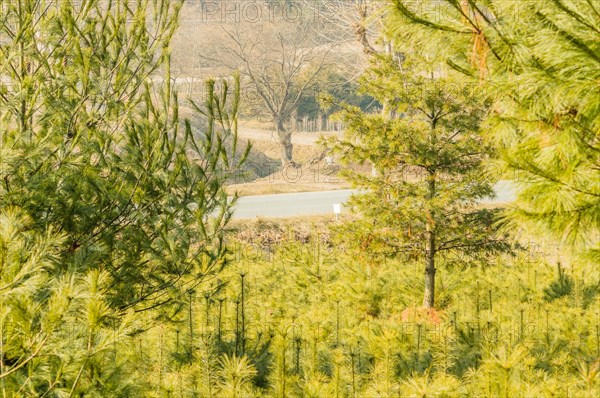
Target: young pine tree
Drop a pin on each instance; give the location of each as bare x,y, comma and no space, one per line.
428,155
93,145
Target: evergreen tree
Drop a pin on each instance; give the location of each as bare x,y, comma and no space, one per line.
540,62
93,148
428,154
110,203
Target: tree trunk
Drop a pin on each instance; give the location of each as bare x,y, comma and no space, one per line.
285,140
429,296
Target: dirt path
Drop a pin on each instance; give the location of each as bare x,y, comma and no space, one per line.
270,136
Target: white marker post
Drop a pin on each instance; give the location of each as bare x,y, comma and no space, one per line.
337,209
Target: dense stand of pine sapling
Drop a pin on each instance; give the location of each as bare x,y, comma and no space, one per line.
273,335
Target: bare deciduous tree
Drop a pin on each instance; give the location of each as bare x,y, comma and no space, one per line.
281,64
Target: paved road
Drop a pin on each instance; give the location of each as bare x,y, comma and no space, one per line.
313,203
290,204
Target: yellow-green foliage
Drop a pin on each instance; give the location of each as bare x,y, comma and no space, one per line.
320,323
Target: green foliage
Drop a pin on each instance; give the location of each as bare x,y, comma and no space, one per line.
323,339
562,286
112,210
236,374
111,204
59,337
92,149
427,154
309,325
539,62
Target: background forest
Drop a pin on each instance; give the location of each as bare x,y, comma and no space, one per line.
124,274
